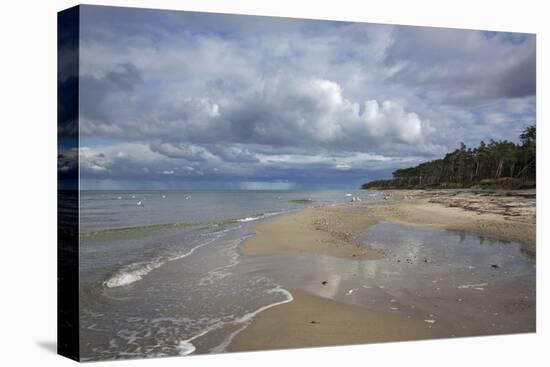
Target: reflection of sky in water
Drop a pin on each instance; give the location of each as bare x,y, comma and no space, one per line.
423,275
413,255
451,249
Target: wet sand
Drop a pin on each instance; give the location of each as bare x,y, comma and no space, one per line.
320,234
311,321
327,231
331,230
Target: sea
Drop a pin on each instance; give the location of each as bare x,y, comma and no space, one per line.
161,273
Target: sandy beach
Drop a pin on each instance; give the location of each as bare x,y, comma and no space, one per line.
311,321
331,232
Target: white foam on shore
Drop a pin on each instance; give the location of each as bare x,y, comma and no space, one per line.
247,319
249,316
466,286
250,219
132,273
261,216
136,271
187,347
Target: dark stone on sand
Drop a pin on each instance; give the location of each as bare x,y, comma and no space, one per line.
313,322
324,282
495,266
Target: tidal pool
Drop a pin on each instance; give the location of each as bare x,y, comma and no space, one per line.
458,283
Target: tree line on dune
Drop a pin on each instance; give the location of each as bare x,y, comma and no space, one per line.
497,164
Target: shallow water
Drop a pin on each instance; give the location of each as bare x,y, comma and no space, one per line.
164,289
173,303
167,278
459,283
104,210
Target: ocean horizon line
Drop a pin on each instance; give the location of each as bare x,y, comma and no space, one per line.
224,190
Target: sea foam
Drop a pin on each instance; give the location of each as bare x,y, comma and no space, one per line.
133,272
250,219
187,347
261,216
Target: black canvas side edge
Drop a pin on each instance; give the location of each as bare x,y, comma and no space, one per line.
68,338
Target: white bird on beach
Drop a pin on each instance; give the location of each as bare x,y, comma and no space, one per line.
164,196
348,194
139,203
187,197
119,198
133,196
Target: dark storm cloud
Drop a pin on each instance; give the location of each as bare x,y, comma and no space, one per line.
520,79
99,93
187,96
460,66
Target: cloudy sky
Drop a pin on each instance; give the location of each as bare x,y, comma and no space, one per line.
181,100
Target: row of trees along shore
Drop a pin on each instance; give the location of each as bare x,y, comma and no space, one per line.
498,164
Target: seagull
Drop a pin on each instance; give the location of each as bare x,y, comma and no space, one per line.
118,198
187,197
164,196
139,203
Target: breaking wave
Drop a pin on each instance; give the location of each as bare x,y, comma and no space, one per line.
133,272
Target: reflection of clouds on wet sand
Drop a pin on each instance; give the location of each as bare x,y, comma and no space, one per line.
332,287
470,288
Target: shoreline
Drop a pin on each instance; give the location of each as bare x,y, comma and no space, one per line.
312,321
330,231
